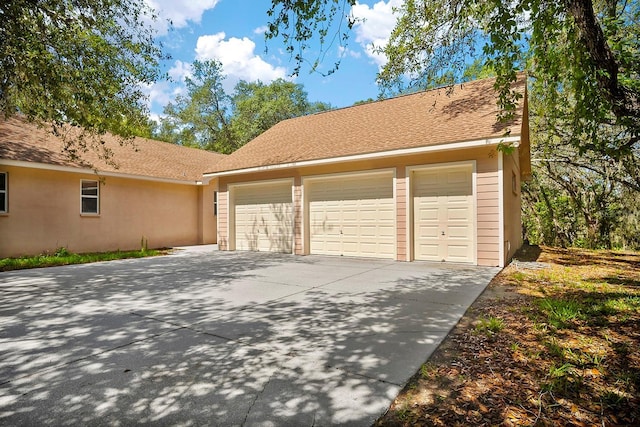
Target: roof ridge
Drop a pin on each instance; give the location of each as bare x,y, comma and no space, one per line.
178,145
398,96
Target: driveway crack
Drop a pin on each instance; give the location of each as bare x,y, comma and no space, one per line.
255,400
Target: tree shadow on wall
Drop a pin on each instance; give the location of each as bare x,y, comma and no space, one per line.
276,235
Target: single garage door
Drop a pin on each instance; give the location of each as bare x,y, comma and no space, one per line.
263,216
443,214
352,216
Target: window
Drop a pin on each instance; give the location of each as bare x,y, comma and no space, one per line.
90,195
215,203
3,192
514,183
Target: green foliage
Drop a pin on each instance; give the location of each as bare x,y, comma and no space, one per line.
579,51
77,62
207,117
298,21
62,252
201,118
258,106
490,326
561,313
62,256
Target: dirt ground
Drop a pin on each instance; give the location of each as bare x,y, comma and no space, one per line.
552,341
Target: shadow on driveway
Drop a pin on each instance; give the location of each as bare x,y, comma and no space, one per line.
223,338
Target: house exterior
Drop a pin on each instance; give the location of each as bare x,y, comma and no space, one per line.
153,196
417,177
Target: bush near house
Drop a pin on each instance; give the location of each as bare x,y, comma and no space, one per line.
550,342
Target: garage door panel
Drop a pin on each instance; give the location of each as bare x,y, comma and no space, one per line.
458,253
427,214
361,212
263,217
427,231
443,212
461,232
429,250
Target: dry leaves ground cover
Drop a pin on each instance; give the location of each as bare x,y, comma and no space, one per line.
554,340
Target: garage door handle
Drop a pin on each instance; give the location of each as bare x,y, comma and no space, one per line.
443,233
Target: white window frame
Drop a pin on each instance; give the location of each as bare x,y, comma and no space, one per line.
4,208
90,196
215,203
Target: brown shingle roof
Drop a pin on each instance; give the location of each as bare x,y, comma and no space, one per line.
421,119
26,142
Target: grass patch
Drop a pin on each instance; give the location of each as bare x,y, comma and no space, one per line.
490,326
560,313
63,257
548,346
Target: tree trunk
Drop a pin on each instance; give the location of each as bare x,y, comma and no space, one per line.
624,103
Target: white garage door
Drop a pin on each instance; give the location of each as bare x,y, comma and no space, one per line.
352,216
443,214
263,217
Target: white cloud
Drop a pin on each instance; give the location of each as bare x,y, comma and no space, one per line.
179,71
238,58
374,26
158,94
261,30
343,51
179,13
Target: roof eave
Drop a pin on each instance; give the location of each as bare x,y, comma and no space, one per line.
514,140
72,169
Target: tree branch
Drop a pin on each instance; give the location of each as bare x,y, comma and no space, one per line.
624,102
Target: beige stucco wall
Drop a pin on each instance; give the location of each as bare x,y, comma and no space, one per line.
487,207
44,214
207,224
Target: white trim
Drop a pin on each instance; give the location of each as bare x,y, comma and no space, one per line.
89,196
514,140
293,216
395,213
88,171
408,227
259,182
229,218
501,208
350,174
311,179
230,193
304,220
474,189
5,209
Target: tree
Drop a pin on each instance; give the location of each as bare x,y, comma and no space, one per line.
207,117
202,117
258,106
579,48
80,62
298,21
579,199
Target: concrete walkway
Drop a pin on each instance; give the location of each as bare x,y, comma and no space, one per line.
204,337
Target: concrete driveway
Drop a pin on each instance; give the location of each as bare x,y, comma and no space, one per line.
221,338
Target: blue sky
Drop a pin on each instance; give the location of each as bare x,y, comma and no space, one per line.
232,31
